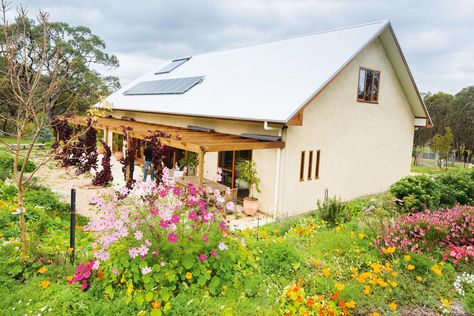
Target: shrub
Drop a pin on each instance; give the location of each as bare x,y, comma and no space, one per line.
7,161
456,187
428,231
333,211
416,193
279,258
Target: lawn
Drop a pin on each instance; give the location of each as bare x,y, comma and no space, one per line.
148,257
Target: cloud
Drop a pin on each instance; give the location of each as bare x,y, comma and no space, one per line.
435,35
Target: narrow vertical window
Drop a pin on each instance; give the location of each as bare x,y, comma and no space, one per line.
302,166
368,85
318,156
310,164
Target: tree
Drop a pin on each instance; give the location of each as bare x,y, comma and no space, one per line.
39,69
443,145
461,117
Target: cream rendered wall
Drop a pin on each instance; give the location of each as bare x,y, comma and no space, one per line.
364,147
265,158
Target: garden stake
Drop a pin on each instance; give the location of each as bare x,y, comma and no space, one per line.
72,228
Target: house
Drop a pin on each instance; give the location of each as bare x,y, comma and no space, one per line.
339,108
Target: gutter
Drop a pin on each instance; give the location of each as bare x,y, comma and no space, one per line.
277,171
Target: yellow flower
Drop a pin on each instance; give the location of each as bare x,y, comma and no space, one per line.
393,306
410,267
375,314
42,270
383,283
394,274
351,304
122,280
141,313
419,278
1,235
436,270
353,234
354,271
388,268
156,304
361,236
389,250
316,262
407,257
70,250
364,276
367,290
339,286
376,267
374,281
393,283
446,303
69,278
441,263
338,228
326,272
189,275
44,284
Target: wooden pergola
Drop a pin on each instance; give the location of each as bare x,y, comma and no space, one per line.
198,141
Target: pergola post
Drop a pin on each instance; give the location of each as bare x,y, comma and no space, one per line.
201,166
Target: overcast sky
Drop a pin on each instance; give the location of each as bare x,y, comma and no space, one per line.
436,36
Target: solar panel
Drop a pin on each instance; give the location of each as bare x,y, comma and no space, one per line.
172,66
165,86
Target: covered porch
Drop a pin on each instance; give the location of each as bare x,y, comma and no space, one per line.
195,139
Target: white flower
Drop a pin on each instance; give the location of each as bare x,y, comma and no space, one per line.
146,270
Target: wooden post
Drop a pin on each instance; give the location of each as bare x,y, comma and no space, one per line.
72,227
201,166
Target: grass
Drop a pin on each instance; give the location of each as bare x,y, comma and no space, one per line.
433,170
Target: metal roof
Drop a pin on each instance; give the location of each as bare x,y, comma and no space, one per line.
266,82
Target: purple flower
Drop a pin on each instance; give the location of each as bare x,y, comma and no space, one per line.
202,257
172,237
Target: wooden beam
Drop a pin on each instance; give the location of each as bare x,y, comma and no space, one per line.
201,167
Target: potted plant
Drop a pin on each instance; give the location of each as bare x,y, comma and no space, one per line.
248,173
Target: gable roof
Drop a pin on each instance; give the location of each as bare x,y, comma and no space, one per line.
266,82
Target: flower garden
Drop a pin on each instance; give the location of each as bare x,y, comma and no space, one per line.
166,250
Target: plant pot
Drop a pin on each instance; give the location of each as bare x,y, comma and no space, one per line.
101,150
118,155
250,206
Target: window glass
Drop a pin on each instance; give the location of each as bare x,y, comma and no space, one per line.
368,85
375,87
360,93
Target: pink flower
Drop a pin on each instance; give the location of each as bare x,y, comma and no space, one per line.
133,252
162,263
202,257
115,271
230,206
204,238
192,215
164,224
222,246
177,191
214,253
138,235
223,225
146,270
84,285
172,237
175,219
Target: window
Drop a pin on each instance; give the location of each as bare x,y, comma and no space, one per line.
310,164
318,156
302,166
368,87
227,161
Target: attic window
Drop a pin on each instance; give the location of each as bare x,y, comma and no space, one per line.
368,88
172,66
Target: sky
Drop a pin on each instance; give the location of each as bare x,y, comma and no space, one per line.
436,36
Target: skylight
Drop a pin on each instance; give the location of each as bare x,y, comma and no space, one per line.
172,66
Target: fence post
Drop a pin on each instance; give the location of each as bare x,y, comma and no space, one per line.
72,228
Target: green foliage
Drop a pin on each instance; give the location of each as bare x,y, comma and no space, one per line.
7,161
333,211
45,135
416,193
190,161
248,173
443,145
280,258
445,190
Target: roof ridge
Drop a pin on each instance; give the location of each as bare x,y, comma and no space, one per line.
384,22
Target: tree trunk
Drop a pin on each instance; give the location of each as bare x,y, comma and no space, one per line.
24,248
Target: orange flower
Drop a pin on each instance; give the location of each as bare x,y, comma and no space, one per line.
70,250
411,267
341,304
351,304
334,296
100,275
156,304
310,302
42,270
44,284
393,306
69,278
326,272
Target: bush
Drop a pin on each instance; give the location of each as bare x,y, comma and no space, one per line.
333,212
7,161
416,193
278,259
456,187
